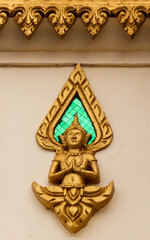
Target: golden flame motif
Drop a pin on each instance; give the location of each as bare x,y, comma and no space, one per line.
75,165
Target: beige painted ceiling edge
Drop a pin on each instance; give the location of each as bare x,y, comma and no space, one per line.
29,14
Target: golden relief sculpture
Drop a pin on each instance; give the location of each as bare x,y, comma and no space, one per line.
27,20
72,200
28,15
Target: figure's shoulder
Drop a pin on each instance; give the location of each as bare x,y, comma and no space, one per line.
89,156
59,157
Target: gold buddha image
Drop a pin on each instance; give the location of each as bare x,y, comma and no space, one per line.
72,197
74,158
73,202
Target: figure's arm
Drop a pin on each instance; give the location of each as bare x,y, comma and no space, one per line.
93,174
55,174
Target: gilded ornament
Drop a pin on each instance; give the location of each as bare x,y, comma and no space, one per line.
131,19
4,13
75,128
94,19
62,15
27,20
62,19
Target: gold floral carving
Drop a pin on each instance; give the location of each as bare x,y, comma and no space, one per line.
94,19
27,20
62,15
61,19
131,19
75,165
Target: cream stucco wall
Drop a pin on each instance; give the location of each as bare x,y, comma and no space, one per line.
26,94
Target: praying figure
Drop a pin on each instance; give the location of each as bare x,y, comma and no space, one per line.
74,157
74,166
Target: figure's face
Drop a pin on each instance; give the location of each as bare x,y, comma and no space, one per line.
74,138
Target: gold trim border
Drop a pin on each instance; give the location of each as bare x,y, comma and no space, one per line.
28,15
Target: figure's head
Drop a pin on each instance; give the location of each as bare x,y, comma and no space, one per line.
75,136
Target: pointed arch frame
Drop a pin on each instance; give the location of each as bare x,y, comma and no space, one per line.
77,83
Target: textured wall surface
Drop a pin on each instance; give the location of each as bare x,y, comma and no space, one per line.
26,94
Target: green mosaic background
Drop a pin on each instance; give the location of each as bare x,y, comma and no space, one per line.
76,107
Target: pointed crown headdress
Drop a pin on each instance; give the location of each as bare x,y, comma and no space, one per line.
75,125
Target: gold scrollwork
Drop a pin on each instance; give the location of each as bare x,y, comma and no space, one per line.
94,14
94,19
4,13
62,19
131,19
74,206
27,20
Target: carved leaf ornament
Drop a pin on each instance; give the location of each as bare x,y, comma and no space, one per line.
94,19
62,19
27,20
94,14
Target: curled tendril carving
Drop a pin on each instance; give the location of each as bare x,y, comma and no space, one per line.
28,20
131,19
94,14
94,19
61,19
3,17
